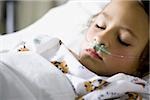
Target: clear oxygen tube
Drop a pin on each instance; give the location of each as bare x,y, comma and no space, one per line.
98,47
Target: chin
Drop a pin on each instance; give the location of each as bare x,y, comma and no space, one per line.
85,60
88,62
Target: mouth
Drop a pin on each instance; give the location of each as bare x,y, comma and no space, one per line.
93,53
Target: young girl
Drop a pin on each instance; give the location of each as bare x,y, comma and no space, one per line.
123,28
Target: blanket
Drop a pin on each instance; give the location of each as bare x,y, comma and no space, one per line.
36,78
28,76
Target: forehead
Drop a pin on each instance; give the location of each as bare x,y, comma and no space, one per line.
130,14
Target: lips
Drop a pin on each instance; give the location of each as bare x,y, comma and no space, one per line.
94,54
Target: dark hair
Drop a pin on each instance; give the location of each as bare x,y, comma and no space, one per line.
144,63
145,6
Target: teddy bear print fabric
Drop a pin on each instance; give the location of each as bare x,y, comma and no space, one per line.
86,84
89,86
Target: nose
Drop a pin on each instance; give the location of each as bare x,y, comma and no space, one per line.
104,38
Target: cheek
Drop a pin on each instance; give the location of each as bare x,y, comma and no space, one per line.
83,45
90,34
123,55
119,51
121,64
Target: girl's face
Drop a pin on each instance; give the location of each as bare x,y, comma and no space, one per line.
123,27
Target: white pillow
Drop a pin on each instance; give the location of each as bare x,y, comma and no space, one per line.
66,21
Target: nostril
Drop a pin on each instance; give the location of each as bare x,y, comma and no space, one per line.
102,44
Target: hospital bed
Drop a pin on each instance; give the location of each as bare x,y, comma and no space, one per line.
66,22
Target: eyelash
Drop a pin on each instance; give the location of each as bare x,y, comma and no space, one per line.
100,27
122,42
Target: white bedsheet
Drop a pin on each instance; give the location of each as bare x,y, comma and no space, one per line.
28,76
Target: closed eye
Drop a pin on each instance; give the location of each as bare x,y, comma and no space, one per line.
122,42
100,27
